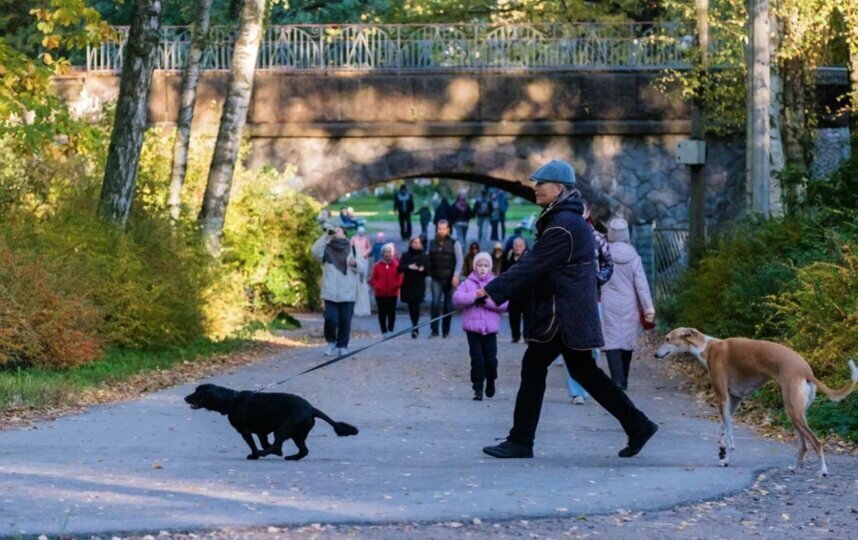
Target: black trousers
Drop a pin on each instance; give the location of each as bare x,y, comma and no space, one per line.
414,312
484,358
519,312
405,225
619,362
386,312
583,368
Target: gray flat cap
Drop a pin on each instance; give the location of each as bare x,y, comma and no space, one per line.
555,171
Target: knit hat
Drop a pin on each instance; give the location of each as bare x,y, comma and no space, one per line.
555,171
483,255
618,230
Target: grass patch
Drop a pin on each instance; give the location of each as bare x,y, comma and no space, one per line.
372,209
42,388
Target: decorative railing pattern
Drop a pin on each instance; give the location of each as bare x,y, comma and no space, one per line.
427,47
671,260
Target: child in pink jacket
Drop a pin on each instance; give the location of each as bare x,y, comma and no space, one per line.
481,324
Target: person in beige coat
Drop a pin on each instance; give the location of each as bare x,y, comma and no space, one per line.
624,297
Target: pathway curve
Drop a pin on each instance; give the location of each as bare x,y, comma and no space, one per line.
152,463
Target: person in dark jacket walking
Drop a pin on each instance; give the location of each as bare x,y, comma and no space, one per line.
403,204
413,265
425,217
445,265
560,269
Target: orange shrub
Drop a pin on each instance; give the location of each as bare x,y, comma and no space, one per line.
41,325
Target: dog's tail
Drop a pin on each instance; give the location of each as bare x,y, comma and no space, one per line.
340,428
837,395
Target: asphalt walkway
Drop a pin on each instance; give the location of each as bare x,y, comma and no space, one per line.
153,463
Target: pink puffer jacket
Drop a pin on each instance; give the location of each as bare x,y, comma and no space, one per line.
483,319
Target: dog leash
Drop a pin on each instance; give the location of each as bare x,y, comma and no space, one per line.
357,351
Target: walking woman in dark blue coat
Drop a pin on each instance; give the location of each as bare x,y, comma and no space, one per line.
561,271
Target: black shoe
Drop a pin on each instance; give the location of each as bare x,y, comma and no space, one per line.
433,335
446,336
639,439
478,395
490,388
508,449
414,334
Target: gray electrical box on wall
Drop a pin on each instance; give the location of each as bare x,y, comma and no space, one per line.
691,152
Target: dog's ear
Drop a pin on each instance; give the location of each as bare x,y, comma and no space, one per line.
687,332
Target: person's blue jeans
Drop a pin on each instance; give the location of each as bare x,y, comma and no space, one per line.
441,291
482,225
338,322
461,231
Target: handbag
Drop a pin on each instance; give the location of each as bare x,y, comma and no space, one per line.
646,324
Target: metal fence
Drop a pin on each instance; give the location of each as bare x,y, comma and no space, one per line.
670,247
436,46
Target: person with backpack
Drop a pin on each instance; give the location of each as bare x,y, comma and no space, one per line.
483,212
403,205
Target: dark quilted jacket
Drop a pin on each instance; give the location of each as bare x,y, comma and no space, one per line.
561,270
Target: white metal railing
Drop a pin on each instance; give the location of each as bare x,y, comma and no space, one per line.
430,47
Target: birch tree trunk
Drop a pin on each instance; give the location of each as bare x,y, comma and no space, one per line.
132,111
216,198
760,96
188,99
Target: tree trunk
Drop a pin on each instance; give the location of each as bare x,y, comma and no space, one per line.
216,199
188,99
760,96
697,191
132,111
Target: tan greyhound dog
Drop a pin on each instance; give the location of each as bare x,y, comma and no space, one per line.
738,366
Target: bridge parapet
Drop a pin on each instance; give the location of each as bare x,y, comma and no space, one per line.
578,46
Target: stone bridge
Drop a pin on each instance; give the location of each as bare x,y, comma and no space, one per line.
348,130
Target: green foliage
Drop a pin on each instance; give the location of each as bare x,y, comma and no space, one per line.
267,239
793,280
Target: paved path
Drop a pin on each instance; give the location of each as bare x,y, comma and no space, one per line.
153,463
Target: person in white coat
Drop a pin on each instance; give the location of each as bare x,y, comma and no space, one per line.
624,298
342,265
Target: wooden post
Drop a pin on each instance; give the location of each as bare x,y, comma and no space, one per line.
697,203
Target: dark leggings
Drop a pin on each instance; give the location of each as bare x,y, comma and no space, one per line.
386,312
619,362
484,358
414,312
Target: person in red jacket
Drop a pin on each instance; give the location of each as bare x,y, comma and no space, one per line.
385,280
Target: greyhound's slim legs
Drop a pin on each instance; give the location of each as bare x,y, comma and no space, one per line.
734,404
795,403
726,433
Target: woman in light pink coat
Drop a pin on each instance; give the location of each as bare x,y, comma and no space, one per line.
481,324
624,297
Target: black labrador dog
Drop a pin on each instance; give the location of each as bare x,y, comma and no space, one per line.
286,415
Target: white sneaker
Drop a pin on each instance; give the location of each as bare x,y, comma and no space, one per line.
578,400
330,349
342,351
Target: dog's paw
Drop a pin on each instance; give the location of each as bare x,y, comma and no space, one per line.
822,473
252,456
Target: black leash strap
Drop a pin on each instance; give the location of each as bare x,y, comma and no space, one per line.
357,351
